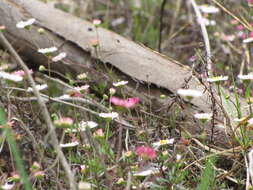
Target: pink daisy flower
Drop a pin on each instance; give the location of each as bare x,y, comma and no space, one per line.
21,73
146,152
127,103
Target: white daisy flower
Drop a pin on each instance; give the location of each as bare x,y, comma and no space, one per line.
59,57
112,115
239,119
217,79
47,50
2,27
163,142
85,185
82,126
112,91
120,83
39,87
208,22
96,22
64,96
189,93
82,88
11,77
82,76
246,77
149,170
72,144
203,116
247,40
24,24
178,157
250,121
90,124
8,185
208,9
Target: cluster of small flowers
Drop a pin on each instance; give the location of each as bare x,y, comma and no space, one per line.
15,76
37,170
67,123
50,50
47,51
242,32
207,10
250,3
10,182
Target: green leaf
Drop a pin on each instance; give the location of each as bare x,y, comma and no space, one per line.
208,175
2,116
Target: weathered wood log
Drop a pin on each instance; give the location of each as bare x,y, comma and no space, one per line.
74,35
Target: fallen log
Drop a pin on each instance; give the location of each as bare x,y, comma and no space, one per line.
73,35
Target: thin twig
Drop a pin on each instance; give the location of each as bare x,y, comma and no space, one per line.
64,101
175,16
45,112
161,24
245,24
205,36
249,168
129,181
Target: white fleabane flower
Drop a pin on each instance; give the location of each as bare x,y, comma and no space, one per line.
208,22
217,79
47,50
112,115
11,77
82,88
250,121
84,124
64,96
85,185
2,27
82,76
97,22
24,24
246,77
149,170
178,157
39,87
59,57
203,116
112,91
189,93
239,119
208,9
247,40
163,142
8,185
72,144
120,83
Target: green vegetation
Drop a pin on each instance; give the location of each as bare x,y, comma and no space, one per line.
113,139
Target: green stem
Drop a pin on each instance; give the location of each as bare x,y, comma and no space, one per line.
107,130
18,160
